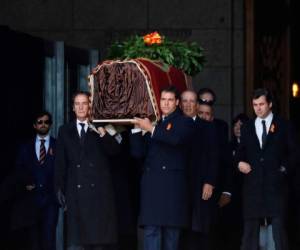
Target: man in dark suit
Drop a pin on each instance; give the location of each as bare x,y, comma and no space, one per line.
265,156
206,101
223,188
36,206
202,173
125,176
83,177
164,191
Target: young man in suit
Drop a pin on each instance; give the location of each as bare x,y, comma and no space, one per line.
36,207
202,174
82,176
265,156
164,199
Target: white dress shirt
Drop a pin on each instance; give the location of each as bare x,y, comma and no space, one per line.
38,144
79,126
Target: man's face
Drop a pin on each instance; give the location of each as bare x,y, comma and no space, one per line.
205,112
168,103
261,107
188,103
206,97
81,107
42,125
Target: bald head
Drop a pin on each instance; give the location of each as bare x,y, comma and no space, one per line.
188,103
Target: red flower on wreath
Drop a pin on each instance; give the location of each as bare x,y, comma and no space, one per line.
152,38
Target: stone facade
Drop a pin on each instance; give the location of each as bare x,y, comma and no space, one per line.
217,25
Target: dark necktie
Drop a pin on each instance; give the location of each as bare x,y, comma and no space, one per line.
264,133
82,132
42,151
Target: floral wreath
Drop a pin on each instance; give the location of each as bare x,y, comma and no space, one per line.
186,56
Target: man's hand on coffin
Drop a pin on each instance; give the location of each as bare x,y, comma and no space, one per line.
144,124
110,129
101,131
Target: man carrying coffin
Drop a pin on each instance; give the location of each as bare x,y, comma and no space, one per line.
83,178
164,193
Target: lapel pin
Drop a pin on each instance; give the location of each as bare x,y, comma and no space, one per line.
272,128
169,126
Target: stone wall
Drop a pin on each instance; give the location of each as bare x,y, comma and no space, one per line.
217,25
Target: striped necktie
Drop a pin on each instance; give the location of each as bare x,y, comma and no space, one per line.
42,151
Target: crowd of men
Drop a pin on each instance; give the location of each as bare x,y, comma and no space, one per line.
179,179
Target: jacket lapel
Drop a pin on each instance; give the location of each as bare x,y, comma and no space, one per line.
33,153
254,135
51,148
271,131
73,134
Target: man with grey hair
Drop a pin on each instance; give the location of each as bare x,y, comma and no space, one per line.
202,174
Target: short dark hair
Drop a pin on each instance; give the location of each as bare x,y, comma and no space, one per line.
209,91
41,113
171,89
240,117
80,92
257,93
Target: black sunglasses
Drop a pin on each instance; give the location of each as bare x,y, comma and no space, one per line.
47,122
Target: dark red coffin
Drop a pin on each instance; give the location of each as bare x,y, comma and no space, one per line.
131,88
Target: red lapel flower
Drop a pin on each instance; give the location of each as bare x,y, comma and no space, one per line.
272,128
169,126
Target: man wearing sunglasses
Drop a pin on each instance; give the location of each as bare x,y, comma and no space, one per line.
36,207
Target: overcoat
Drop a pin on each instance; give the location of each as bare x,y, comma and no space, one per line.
27,204
164,199
265,187
203,170
82,173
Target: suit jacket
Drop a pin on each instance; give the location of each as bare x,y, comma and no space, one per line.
265,187
82,173
164,197
203,170
30,172
224,178
125,181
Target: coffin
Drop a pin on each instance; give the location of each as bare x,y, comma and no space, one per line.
122,90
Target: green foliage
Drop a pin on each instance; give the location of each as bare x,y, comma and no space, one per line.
185,56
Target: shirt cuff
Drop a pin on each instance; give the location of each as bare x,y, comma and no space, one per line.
135,130
110,129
